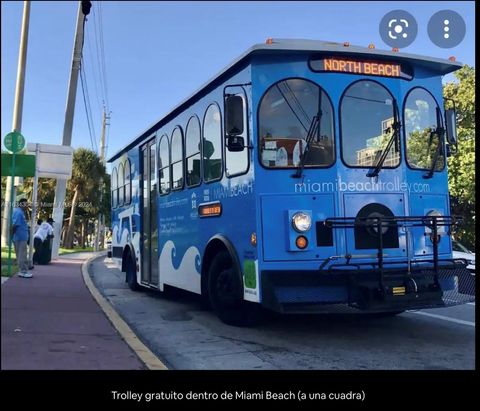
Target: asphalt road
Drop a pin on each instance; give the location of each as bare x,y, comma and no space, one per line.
184,335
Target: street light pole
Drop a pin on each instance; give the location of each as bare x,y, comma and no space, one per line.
61,188
17,114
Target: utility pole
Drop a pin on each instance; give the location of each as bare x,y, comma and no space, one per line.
100,225
17,115
61,188
102,138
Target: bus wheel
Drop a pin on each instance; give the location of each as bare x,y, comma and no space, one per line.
226,293
131,274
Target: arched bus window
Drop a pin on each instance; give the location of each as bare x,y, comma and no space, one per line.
164,165
288,110
121,184
366,119
212,144
177,159
421,119
128,184
114,187
192,151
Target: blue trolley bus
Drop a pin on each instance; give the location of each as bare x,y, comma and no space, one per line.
307,176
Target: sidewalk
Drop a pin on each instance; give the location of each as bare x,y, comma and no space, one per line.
52,322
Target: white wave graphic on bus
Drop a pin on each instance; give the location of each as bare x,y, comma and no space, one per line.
187,275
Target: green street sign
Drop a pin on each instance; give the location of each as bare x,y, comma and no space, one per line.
24,165
14,141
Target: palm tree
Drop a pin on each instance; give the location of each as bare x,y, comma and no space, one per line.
85,185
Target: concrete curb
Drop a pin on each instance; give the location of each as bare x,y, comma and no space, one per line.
143,352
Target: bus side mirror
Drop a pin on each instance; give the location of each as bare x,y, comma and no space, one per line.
451,126
235,143
234,115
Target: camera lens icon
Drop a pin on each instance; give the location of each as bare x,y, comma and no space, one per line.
398,28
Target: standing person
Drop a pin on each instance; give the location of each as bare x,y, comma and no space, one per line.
44,232
20,237
37,241
39,223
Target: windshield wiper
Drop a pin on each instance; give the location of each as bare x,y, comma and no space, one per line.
311,133
393,138
439,131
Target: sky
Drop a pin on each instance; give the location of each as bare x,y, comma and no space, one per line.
156,54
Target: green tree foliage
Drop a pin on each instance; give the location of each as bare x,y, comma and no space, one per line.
84,189
462,165
45,196
421,152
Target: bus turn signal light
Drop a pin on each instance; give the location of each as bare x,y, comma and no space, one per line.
301,242
210,210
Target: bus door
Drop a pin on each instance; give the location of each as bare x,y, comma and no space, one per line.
149,229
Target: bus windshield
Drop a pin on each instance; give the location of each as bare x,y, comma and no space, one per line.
286,113
367,117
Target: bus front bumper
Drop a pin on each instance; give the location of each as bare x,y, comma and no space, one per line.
362,291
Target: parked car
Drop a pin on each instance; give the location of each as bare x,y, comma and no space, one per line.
466,285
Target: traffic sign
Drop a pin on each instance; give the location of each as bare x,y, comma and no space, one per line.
24,165
14,141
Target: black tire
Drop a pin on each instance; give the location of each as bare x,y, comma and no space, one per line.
225,291
131,274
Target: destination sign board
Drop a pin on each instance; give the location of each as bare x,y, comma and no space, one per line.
357,66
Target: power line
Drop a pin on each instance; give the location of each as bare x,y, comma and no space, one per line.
89,108
92,140
99,60
94,71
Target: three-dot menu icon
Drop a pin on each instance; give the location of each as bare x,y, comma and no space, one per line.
446,29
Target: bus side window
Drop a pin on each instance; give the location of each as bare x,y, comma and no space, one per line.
177,159
212,144
164,165
125,226
114,187
192,151
134,223
121,184
128,185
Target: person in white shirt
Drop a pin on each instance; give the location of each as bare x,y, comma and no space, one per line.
44,231
39,223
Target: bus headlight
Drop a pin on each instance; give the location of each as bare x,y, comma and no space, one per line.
434,213
301,222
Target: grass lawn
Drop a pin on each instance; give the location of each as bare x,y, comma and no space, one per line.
5,253
73,250
14,268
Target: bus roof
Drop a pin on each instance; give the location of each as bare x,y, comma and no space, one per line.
291,46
